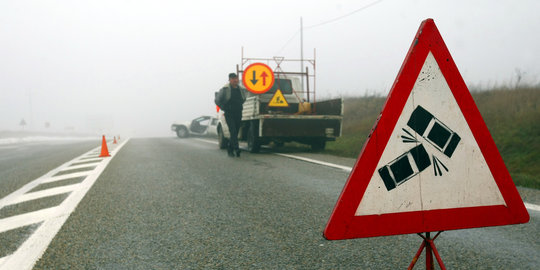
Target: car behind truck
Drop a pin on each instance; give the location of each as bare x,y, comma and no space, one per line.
200,126
312,123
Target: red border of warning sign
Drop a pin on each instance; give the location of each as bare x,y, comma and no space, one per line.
265,89
343,223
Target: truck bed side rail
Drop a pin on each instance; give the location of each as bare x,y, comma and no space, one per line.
329,107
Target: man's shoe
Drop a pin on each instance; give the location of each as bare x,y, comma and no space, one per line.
230,153
238,152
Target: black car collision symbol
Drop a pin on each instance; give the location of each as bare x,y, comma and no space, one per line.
434,131
405,167
417,158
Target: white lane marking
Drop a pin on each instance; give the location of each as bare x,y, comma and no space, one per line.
90,160
206,141
82,166
49,177
64,176
529,206
26,219
52,218
328,164
44,193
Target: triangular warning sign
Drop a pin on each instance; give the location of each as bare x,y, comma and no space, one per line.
278,100
430,163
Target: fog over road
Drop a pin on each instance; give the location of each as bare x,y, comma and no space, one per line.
133,66
169,203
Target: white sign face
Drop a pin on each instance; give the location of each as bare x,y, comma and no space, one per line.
432,160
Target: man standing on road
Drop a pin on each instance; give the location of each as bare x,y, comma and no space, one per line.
231,99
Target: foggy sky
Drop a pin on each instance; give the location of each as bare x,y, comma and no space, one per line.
134,67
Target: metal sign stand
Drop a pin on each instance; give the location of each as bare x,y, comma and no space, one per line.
429,244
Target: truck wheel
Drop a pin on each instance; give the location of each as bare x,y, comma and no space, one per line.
223,142
254,144
318,145
182,132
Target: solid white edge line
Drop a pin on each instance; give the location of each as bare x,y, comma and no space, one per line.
345,168
33,248
328,164
206,141
529,206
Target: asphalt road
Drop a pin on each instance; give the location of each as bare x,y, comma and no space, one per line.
21,163
168,203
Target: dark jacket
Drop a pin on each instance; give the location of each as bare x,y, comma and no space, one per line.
223,96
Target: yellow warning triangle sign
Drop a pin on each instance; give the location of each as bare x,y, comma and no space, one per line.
278,100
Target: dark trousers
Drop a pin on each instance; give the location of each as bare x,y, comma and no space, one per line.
234,120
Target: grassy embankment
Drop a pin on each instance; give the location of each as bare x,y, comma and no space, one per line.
511,115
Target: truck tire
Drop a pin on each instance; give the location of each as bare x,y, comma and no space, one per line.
182,132
253,141
222,141
318,145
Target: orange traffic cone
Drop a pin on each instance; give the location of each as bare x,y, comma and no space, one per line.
104,149
114,141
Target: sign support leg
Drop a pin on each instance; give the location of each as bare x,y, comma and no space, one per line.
431,250
429,254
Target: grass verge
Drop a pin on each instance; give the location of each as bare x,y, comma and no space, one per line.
511,115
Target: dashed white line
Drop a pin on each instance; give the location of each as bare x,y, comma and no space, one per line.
529,206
